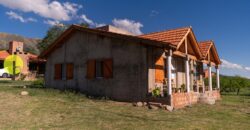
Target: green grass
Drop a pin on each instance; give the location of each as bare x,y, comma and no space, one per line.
53,109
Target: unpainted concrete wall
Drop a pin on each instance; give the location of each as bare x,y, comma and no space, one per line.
130,73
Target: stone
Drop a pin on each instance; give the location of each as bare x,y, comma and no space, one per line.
24,93
145,103
167,107
24,86
139,104
211,101
153,107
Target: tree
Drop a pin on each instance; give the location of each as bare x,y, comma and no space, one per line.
53,33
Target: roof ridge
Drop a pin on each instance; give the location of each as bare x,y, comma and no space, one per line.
167,30
206,41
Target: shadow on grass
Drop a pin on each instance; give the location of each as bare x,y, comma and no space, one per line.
5,81
234,94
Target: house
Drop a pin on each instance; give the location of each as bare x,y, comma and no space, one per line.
32,65
128,68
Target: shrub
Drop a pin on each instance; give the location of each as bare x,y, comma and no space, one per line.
183,88
156,92
38,83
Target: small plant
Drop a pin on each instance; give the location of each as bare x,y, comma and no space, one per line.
38,83
183,87
156,92
22,77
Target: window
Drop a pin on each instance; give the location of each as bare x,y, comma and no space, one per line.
58,71
69,71
64,71
99,69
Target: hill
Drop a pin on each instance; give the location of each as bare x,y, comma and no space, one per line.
30,44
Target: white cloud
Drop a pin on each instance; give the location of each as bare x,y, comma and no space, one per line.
52,22
128,25
229,68
13,15
247,68
45,8
84,18
230,65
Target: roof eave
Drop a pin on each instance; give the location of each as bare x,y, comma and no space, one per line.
46,52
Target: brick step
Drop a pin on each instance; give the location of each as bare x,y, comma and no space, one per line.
206,99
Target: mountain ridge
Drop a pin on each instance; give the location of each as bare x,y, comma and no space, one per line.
30,44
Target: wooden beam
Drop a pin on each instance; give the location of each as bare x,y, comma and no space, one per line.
179,44
181,54
207,62
186,46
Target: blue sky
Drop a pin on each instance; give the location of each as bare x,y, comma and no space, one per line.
224,21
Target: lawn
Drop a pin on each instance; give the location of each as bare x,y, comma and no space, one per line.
52,109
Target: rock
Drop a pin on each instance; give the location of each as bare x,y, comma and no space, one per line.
24,86
167,107
211,101
145,103
24,93
153,107
139,104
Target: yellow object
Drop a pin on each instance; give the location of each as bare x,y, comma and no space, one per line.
9,64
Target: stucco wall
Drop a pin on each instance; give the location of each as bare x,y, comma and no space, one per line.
130,79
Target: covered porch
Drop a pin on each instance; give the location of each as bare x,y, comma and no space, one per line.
179,74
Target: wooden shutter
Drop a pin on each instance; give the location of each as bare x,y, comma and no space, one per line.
159,70
69,71
58,71
108,68
90,69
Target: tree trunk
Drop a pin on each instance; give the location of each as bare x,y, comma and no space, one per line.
238,91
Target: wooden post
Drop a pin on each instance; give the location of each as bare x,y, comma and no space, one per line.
169,70
14,71
217,76
187,74
210,77
187,66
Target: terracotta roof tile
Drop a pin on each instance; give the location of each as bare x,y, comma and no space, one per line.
205,46
3,54
173,36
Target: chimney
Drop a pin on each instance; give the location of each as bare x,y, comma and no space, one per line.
15,46
110,28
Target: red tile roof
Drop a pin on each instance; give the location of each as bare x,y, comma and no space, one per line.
34,58
3,54
205,46
174,36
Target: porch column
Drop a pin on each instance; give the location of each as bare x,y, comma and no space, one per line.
187,74
210,77
217,76
169,70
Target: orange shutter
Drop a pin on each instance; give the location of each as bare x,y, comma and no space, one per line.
70,71
58,71
91,69
159,70
108,68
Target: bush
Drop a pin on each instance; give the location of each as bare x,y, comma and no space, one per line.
156,92
38,83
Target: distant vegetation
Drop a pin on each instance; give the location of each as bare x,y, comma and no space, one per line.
230,84
34,45
29,46
52,34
